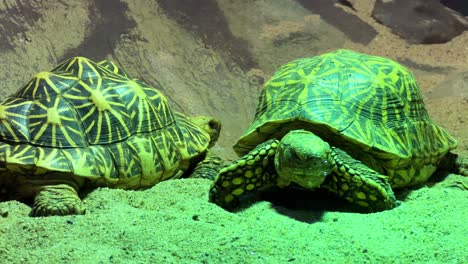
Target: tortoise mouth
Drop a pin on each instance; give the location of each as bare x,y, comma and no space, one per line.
309,179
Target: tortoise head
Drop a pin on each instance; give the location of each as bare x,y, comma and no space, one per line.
302,157
210,125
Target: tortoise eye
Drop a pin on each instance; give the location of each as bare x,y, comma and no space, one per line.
213,124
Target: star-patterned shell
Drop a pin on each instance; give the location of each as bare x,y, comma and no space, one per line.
92,120
370,106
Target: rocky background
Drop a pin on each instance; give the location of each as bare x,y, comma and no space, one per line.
212,57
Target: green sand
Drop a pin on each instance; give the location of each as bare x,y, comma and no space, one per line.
173,223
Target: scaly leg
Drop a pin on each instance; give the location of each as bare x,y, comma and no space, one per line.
58,199
358,184
252,172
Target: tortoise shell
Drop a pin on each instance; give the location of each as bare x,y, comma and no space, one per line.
369,106
91,120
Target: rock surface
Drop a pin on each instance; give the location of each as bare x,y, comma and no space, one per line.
457,5
341,14
419,21
455,85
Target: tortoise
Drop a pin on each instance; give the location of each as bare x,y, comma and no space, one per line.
88,124
350,123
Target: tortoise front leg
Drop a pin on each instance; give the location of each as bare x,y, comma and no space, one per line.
358,184
208,168
252,172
